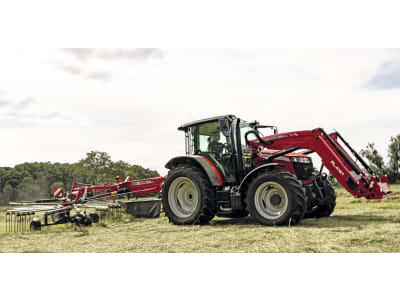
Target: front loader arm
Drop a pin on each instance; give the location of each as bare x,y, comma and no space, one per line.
334,157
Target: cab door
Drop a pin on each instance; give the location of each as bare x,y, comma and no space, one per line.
207,139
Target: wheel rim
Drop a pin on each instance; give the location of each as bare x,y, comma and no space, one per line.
271,200
183,197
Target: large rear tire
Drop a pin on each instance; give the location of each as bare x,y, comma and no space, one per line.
276,198
188,196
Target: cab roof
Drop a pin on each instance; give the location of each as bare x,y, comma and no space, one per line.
185,126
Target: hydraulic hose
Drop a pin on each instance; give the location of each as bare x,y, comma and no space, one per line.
258,137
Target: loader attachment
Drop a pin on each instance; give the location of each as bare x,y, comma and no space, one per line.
333,150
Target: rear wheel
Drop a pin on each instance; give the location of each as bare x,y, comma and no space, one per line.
94,216
86,221
188,197
276,198
77,219
35,224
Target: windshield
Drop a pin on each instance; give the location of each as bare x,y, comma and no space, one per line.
245,128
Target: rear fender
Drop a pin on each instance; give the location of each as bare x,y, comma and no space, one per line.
200,161
254,172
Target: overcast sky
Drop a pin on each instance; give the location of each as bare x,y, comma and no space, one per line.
58,104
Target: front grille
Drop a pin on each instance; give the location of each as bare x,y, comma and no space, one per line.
303,171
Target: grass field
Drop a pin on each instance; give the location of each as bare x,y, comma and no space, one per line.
356,226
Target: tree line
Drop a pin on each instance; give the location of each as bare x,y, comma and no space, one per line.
37,180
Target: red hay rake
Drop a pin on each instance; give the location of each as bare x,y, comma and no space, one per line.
47,212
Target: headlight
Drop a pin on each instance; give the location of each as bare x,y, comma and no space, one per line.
303,160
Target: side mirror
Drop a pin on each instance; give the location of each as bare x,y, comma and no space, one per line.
224,126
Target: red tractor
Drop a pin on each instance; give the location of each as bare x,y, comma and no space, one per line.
231,169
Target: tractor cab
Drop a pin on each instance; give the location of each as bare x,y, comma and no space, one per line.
223,141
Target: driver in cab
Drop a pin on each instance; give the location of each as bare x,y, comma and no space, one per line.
215,146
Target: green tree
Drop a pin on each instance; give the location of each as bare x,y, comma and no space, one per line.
30,189
96,166
375,159
8,194
394,158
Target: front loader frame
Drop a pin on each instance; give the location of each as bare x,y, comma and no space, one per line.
334,158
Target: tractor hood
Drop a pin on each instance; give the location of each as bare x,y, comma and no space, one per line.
267,152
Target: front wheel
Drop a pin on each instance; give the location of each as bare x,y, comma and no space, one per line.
276,198
188,197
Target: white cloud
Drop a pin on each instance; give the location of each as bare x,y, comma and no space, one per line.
101,63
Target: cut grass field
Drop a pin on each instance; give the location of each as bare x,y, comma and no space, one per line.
357,225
